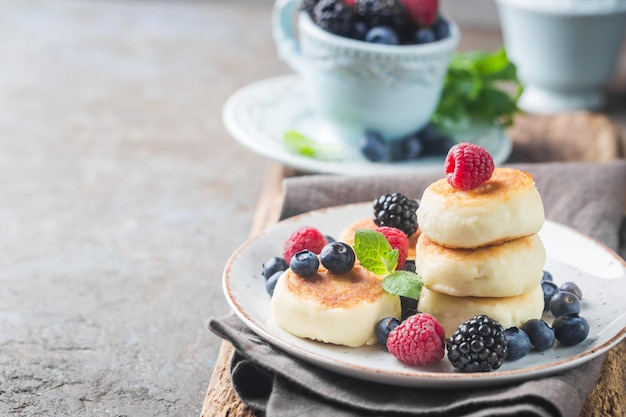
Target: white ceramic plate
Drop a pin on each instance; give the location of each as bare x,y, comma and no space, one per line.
260,113
571,256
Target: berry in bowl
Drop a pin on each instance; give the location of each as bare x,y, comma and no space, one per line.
367,65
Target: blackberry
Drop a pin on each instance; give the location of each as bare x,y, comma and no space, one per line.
309,5
396,210
334,16
389,13
478,345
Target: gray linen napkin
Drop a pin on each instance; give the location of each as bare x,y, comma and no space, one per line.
587,196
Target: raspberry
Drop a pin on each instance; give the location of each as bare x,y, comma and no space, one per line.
418,340
306,237
398,240
468,166
422,12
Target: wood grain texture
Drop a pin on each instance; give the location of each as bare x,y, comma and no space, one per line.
576,136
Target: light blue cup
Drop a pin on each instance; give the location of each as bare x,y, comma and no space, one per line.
354,85
565,51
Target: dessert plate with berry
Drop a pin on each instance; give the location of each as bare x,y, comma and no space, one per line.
592,277
272,118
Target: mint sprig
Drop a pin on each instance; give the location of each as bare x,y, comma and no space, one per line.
480,87
404,283
376,255
299,144
374,252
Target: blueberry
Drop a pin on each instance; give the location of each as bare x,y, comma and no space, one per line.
573,288
549,289
359,30
273,265
570,329
547,276
518,343
338,257
409,307
409,265
441,28
384,327
383,35
564,302
374,147
540,334
330,239
270,284
407,148
429,131
437,144
425,35
304,263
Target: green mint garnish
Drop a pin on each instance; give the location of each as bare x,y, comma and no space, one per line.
374,252
376,255
404,283
475,91
299,144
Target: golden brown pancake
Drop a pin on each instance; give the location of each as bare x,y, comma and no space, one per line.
335,308
506,207
509,311
504,270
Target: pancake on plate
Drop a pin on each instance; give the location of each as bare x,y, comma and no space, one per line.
509,311
506,207
342,309
504,270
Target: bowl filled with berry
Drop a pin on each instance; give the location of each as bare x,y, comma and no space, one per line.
367,65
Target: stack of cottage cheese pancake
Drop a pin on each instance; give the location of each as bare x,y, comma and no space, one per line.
479,252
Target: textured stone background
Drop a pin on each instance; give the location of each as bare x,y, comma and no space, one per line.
121,198
122,195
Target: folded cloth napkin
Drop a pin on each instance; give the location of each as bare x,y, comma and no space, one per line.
587,196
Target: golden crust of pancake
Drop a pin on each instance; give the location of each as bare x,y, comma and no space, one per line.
347,234
340,309
336,290
504,270
509,311
506,207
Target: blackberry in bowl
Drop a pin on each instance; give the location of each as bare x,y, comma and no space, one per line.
355,86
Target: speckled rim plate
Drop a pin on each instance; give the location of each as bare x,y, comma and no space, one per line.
258,115
571,256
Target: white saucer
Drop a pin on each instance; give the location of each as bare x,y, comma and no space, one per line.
260,113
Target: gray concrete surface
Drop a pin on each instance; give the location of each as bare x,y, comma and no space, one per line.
121,198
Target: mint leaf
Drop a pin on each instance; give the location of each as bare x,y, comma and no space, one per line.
404,283
479,87
298,143
374,252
